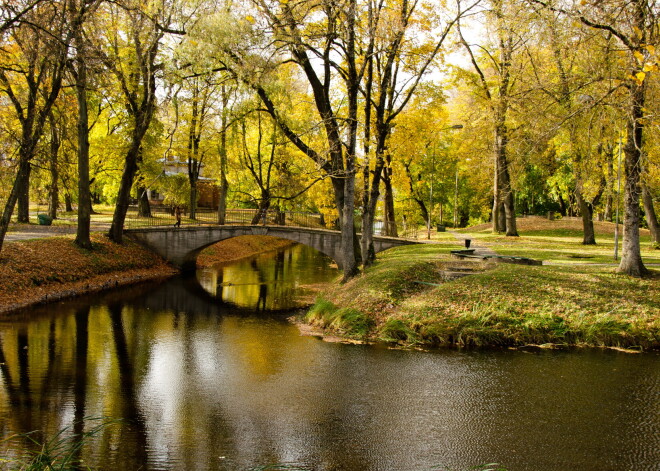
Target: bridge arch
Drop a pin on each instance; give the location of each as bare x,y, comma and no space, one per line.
180,246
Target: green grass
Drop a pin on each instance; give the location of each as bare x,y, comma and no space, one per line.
60,452
345,321
577,300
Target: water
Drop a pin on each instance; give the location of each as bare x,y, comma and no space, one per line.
204,378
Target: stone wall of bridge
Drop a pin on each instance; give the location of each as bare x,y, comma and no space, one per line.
180,246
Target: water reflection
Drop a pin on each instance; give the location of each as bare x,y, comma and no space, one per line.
203,384
269,281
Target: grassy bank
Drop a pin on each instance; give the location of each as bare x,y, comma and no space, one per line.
406,297
43,270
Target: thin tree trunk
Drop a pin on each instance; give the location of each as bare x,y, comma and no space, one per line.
369,212
389,215
350,242
23,169
262,210
84,197
144,207
124,194
611,177
651,216
53,192
193,198
222,151
23,210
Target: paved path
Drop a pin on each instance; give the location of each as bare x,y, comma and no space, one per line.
481,250
478,249
18,232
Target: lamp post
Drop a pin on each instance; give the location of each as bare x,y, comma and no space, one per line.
618,198
456,198
428,222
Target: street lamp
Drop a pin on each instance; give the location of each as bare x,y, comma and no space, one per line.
428,222
618,198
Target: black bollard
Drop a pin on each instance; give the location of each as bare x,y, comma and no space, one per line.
467,243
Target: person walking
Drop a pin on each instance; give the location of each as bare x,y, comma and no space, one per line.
177,215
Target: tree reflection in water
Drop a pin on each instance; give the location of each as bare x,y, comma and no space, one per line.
214,382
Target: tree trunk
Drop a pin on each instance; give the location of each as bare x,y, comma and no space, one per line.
222,151
53,192
124,194
84,197
193,198
262,210
369,212
23,169
631,257
389,215
510,213
348,234
611,178
23,210
501,218
144,208
499,213
562,202
651,217
586,211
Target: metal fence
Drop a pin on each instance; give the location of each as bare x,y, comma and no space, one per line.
165,216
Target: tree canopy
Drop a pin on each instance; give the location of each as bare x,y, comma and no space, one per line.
382,115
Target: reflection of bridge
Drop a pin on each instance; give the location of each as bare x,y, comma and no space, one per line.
181,246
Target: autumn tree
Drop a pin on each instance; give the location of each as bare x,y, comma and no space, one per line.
573,70
32,66
79,11
129,49
12,13
634,24
315,36
399,51
495,79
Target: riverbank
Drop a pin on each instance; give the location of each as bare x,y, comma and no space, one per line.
44,270
36,271
418,296
237,248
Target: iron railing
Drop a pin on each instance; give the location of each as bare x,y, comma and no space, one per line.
165,216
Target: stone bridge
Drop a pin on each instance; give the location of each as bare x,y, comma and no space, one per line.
180,246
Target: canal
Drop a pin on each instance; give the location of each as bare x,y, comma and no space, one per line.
207,373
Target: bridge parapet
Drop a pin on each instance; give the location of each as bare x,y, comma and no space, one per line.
180,246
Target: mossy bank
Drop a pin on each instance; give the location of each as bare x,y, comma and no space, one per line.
415,296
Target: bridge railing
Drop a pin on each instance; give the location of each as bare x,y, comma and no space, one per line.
164,216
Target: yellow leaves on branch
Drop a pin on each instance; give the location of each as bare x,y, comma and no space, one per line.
647,61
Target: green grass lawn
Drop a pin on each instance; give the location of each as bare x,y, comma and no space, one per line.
559,241
577,299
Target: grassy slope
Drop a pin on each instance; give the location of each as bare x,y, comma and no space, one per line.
577,304
240,247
